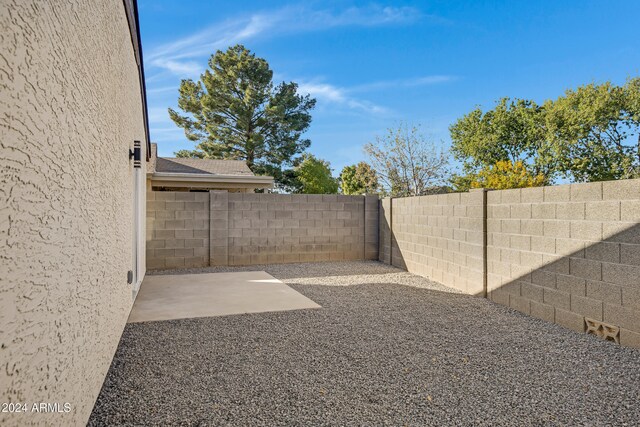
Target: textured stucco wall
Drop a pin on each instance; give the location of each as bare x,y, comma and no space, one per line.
568,252
251,228
70,108
439,236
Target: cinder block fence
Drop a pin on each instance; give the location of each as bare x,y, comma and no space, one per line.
178,229
568,254
219,228
441,237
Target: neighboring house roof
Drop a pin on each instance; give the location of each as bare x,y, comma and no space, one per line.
203,173
203,166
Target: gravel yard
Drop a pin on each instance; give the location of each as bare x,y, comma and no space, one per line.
387,348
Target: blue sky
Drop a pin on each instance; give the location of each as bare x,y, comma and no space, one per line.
371,65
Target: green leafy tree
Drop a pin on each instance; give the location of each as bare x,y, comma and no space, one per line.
591,133
513,131
595,131
407,163
235,112
359,179
314,176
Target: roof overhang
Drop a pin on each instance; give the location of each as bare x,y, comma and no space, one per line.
131,9
170,179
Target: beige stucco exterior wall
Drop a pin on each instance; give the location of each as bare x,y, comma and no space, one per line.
70,109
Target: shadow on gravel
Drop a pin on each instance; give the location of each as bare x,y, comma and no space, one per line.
374,354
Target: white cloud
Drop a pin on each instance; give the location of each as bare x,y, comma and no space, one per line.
158,115
429,80
330,94
288,20
174,129
186,57
327,93
354,16
323,91
163,89
166,131
186,69
406,83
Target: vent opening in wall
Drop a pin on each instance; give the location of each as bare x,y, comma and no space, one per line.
602,330
130,277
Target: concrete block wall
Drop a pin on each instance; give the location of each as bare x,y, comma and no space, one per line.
568,253
285,228
384,231
440,237
177,229
371,233
220,228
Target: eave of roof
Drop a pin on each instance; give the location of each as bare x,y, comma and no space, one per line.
206,177
131,9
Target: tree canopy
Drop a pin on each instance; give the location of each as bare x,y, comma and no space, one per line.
359,179
513,131
407,162
314,176
595,131
588,134
235,112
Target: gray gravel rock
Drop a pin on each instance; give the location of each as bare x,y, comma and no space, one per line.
377,353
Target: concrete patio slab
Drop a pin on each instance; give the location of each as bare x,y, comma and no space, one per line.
184,296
